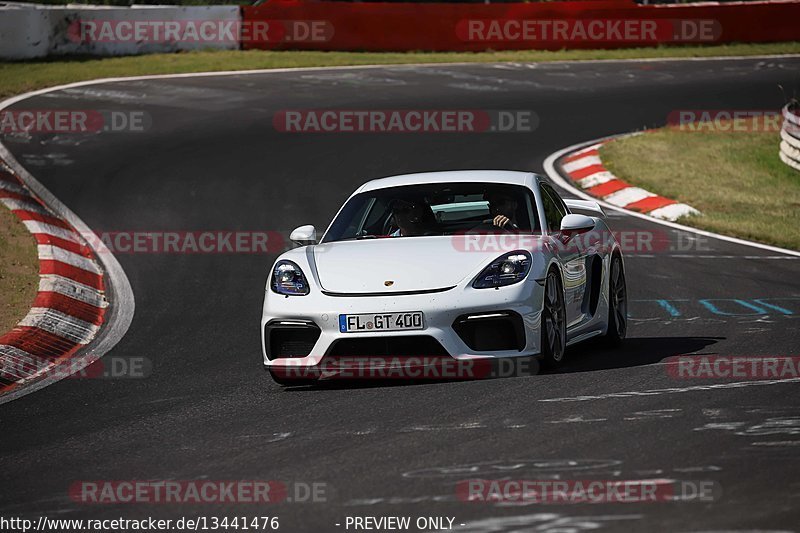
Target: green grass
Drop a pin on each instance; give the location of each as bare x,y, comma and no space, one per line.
19,77
19,270
736,180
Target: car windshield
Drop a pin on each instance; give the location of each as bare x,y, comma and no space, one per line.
435,209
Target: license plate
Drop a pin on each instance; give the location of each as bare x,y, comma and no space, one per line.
381,322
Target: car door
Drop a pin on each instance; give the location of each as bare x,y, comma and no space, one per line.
571,255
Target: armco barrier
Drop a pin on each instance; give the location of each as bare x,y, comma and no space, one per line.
30,30
547,25
790,138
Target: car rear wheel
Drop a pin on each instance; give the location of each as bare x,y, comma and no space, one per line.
617,304
554,321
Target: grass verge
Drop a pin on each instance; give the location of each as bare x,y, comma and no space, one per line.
736,180
19,270
23,76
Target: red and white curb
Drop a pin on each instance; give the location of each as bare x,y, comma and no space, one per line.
85,303
585,168
70,306
559,177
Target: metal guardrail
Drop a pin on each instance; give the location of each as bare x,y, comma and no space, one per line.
790,137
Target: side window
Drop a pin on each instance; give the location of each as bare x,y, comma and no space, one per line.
554,207
532,211
376,216
562,207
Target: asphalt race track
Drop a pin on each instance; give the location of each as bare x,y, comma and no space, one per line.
212,160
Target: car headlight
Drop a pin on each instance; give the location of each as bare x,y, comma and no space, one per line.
288,279
507,269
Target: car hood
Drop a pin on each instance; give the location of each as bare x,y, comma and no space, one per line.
409,263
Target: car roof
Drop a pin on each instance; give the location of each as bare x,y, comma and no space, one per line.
509,177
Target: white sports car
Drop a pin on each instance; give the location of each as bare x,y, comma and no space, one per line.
446,266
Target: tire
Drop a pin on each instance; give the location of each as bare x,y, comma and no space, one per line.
554,322
617,304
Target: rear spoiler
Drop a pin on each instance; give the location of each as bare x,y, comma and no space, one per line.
586,205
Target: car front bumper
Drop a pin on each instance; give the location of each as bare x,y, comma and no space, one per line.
440,309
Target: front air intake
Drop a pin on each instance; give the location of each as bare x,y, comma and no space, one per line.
288,338
491,331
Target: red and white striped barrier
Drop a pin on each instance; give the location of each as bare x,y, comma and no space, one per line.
790,137
585,168
71,303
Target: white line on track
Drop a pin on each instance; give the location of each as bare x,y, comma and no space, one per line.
14,99
709,256
672,390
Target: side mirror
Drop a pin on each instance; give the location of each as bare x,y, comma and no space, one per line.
304,235
574,224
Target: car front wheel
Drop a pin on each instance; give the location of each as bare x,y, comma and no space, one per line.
617,304
554,321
